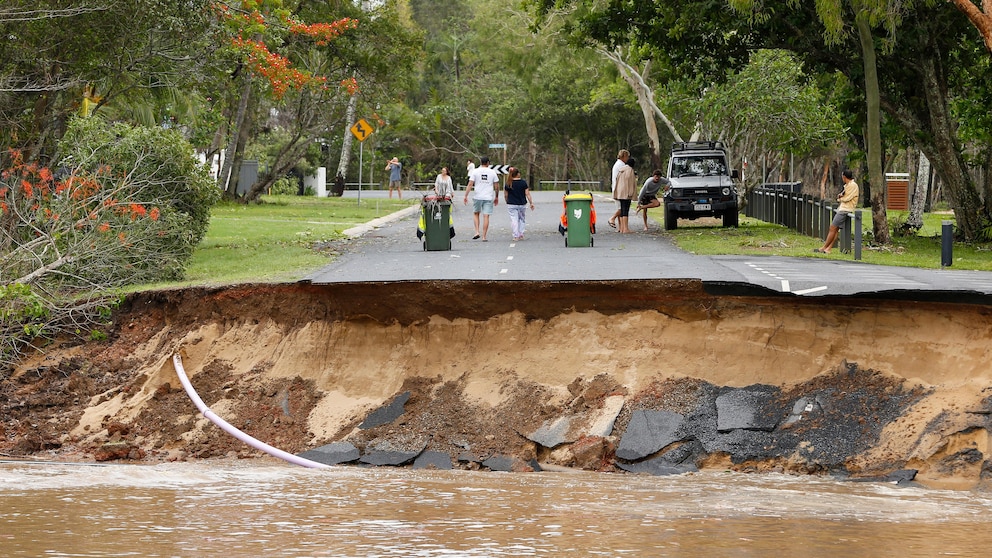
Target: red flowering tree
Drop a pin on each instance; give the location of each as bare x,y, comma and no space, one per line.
121,209
265,39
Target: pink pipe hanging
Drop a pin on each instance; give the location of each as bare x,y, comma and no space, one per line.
177,362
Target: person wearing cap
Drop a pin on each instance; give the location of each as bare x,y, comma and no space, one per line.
484,184
395,167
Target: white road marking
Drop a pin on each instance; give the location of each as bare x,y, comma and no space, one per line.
813,290
503,271
785,286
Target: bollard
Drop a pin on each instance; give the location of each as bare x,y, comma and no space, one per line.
845,236
857,234
946,243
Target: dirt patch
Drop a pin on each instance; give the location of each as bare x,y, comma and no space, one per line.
298,366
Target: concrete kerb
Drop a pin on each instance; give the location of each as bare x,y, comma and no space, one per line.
360,230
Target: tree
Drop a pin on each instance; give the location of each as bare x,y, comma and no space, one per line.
687,41
125,205
981,18
866,15
253,33
55,59
770,107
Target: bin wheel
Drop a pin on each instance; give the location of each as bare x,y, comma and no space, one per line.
592,242
566,242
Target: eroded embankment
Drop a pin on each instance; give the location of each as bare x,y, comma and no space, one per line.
644,376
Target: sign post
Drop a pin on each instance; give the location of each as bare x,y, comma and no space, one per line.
361,130
499,146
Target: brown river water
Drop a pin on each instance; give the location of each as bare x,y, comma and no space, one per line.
264,508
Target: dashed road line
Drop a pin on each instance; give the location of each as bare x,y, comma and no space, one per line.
785,284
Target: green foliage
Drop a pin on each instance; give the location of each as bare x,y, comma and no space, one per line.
19,303
158,165
771,103
285,186
23,316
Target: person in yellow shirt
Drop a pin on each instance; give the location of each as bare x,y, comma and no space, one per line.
848,202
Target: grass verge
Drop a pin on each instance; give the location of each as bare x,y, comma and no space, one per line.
274,241
754,237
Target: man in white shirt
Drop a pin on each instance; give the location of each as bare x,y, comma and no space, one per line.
620,163
484,185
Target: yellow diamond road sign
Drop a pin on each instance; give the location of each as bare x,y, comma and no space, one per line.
361,129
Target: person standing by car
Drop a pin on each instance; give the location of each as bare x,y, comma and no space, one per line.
516,194
395,168
848,202
620,163
483,184
648,196
625,191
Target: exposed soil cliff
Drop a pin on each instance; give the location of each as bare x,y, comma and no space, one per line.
842,385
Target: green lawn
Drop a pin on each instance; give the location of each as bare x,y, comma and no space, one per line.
707,237
274,241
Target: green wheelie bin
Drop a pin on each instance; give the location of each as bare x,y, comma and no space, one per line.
435,220
578,216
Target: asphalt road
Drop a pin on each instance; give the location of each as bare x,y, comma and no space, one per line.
389,250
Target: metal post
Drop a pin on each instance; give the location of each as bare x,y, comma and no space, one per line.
946,243
845,236
857,234
361,165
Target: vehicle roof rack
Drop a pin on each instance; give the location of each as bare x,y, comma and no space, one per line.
697,145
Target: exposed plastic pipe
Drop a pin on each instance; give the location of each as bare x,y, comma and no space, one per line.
177,362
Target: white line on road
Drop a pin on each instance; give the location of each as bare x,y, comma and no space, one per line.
813,290
502,271
509,258
785,286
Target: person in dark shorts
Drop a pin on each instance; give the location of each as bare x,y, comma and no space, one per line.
848,203
648,196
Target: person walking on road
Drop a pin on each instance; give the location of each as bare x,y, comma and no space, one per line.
620,163
625,191
395,167
648,196
442,185
848,202
516,194
484,184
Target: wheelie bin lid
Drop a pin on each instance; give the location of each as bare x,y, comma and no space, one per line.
578,197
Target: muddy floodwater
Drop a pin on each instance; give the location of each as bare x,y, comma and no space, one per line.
262,508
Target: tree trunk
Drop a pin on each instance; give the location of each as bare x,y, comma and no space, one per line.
980,18
873,134
914,221
287,158
944,154
644,101
224,176
349,120
645,98
238,156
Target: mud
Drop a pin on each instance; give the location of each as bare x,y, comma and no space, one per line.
848,386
